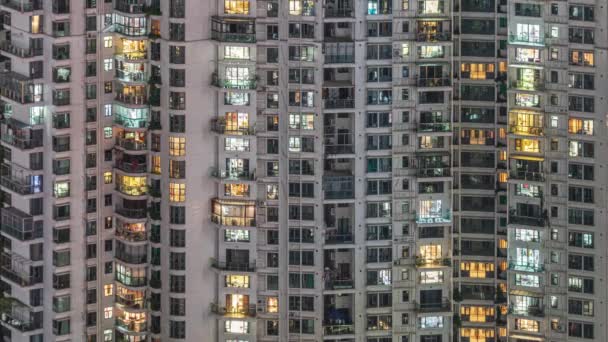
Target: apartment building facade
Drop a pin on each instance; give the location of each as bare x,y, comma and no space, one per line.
303,170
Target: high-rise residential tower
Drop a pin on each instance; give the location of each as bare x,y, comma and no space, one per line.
303,170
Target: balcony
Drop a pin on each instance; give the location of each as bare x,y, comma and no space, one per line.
18,315
19,225
525,39
528,85
526,267
131,303
232,175
23,5
132,213
126,6
532,310
339,284
233,266
526,130
131,76
10,48
536,221
218,125
132,166
240,84
129,99
432,127
131,144
124,232
339,187
335,238
233,30
19,88
15,178
233,213
443,306
434,82
18,270
234,311
341,329
432,262
431,172
136,326
339,103
432,37
527,176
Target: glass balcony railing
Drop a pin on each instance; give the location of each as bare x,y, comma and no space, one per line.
434,127
220,126
339,284
233,30
532,310
234,311
339,103
131,144
444,305
526,39
341,329
339,187
138,326
10,48
23,5
236,266
531,85
431,37
132,213
444,217
527,176
20,225
233,175
434,82
242,84
19,88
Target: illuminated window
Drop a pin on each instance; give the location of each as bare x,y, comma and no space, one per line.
527,100
107,335
132,185
523,122
240,281
107,132
236,327
477,269
301,121
527,235
177,146
527,145
431,277
502,177
301,7
236,6
108,290
236,144
237,76
477,71
236,122
477,334
107,177
108,64
236,189
61,189
236,52
430,322
429,209
36,24
237,235
405,50
108,312
237,303
177,192
477,313
430,252
108,42
502,243
272,304
502,155
295,144
156,165
580,126
272,191
528,280
526,325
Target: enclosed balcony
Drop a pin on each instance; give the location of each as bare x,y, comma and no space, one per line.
132,209
431,31
527,170
131,322
22,5
14,49
339,97
20,180
131,117
18,315
434,122
132,185
233,213
232,175
235,260
339,136
527,214
433,165
527,79
338,32
338,315
20,134
19,88
523,122
132,141
130,6
235,78
20,270
338,180
233,124
235,306
339,8
20,225
432,255
133,95
526,34
339,52
134,232
130,299
130,72
339,77
131,254
339,269
338,220
233,30
132,163
134,26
